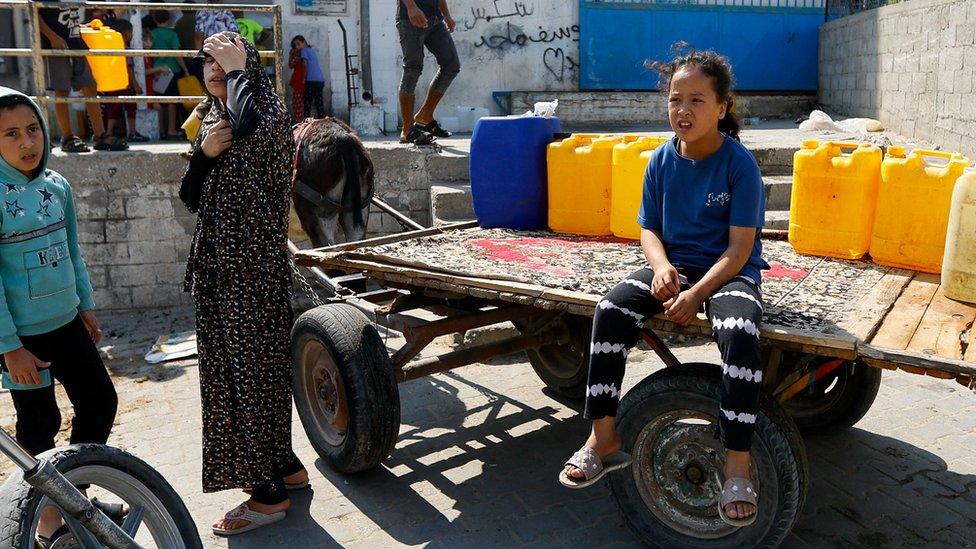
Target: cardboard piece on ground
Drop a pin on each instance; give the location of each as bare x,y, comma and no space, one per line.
172,347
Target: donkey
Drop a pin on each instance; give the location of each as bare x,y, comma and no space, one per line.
332,181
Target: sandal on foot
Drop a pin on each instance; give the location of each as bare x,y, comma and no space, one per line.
435,129
738,490
108,142
74,144
593,466
255,520
116,512
418,136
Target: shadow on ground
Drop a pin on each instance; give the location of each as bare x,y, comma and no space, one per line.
492,481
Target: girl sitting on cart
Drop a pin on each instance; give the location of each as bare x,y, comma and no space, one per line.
701,216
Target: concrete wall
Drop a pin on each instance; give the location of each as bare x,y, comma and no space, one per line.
503,45
910,65
135,232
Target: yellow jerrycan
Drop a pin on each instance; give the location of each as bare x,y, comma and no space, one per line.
959,261
913,208
630,160
109,71
832,202
579,183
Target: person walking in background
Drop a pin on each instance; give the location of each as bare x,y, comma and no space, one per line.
61,30
165,38
210,23
314,79
47,327
239,184
420,24
297,81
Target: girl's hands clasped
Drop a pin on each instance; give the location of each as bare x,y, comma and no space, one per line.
217,140
666,283
683,308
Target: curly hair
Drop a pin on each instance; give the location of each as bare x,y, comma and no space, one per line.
709,63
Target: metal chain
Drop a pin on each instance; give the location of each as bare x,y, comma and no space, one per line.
303,284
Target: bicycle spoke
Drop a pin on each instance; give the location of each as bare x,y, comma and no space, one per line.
133,520
81,534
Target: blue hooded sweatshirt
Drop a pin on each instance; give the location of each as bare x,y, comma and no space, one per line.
43,275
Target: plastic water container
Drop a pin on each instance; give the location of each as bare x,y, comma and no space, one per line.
835,190
913,208
579,183
959,261
109,71
508,170
629,163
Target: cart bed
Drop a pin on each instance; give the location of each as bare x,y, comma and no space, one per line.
848,309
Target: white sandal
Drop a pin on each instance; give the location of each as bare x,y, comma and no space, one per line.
593,466
738,490
255,520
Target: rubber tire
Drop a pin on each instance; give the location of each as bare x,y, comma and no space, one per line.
19,500
673,388
370,386
859,391
571,386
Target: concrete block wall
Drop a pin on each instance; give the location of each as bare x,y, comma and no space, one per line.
910,65
135,232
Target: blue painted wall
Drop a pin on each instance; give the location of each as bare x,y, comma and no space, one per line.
772,44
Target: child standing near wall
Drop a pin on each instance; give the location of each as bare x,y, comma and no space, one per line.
297,81
47,327
165,38
314,79
114,111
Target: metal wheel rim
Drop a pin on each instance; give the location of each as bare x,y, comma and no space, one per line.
814,401
133,493
324,390
563,361
676,457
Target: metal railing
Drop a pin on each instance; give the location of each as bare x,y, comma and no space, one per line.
37,54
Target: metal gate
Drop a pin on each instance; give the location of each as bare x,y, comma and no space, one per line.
772,44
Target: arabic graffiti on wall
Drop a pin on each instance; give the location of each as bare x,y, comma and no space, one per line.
500,27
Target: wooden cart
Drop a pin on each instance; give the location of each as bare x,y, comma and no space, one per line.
830,326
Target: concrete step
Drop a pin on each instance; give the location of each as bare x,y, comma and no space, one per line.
777,219
450,203
778,189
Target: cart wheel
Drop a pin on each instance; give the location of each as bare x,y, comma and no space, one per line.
669,496
837,401
563,368
345,388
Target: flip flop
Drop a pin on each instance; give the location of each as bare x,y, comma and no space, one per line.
255,520
74,144
435,129
738,490
593,466
114,511
418,136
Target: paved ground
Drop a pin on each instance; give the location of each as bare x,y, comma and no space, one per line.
480,447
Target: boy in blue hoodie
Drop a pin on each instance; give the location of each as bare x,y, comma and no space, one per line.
46,319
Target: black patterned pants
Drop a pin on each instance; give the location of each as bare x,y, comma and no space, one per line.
735,312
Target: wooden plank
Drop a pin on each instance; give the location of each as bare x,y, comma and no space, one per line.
388,239
900,324
870,309
909,360
942,325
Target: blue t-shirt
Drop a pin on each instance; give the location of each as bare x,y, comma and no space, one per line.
313,72
694,202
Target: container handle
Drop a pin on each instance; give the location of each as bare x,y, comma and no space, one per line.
844,144
936,154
